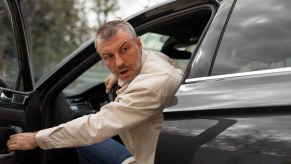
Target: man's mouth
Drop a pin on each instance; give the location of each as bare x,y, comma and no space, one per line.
124,73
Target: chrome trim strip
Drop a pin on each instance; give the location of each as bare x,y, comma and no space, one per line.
217,77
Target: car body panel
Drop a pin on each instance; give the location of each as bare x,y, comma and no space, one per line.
235,117
229,137
247,91
202,60
163,9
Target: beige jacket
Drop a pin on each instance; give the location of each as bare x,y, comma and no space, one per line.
136,113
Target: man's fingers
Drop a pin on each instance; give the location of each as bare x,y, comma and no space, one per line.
109,82
11,147
22,141
12,142
108,89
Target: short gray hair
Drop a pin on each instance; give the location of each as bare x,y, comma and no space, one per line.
109,29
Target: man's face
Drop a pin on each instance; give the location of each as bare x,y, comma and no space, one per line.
122,55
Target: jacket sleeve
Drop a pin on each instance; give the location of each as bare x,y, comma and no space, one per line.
128,111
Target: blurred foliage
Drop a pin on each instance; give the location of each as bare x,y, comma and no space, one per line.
103,9
58,27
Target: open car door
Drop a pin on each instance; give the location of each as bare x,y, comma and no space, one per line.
16,84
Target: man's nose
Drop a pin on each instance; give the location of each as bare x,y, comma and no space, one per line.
118,60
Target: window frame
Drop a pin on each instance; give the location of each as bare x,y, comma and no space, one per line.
200,63
24,81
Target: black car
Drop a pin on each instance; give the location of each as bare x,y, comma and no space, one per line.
233,105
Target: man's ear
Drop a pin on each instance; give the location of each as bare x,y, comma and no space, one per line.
138,42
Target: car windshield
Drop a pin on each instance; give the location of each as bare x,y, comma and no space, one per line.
57,28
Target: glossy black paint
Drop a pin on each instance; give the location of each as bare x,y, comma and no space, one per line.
235,118
202,58
226,137
248,91
261,31
22,44
169,7
224,120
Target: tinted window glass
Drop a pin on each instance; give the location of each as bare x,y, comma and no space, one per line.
8,54
257,37
156,42
95,75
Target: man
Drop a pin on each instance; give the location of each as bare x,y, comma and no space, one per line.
148,83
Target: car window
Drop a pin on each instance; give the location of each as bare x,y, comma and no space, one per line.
95,75
59,27
152,41
98,73
56,29
178,46
156,42
259,39
8,53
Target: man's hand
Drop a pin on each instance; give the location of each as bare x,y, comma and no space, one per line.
22,141
109,82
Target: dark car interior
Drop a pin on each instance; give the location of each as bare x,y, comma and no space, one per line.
182,31
189,26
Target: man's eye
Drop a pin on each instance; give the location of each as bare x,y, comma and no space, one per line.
107,57
124,49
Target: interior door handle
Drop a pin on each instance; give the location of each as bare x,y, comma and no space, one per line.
4,98
13,98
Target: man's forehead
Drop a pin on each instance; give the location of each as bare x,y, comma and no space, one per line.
110,47
115,42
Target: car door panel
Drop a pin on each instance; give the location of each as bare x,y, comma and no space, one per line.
239,116
13,105
218,130
15,77
244,137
